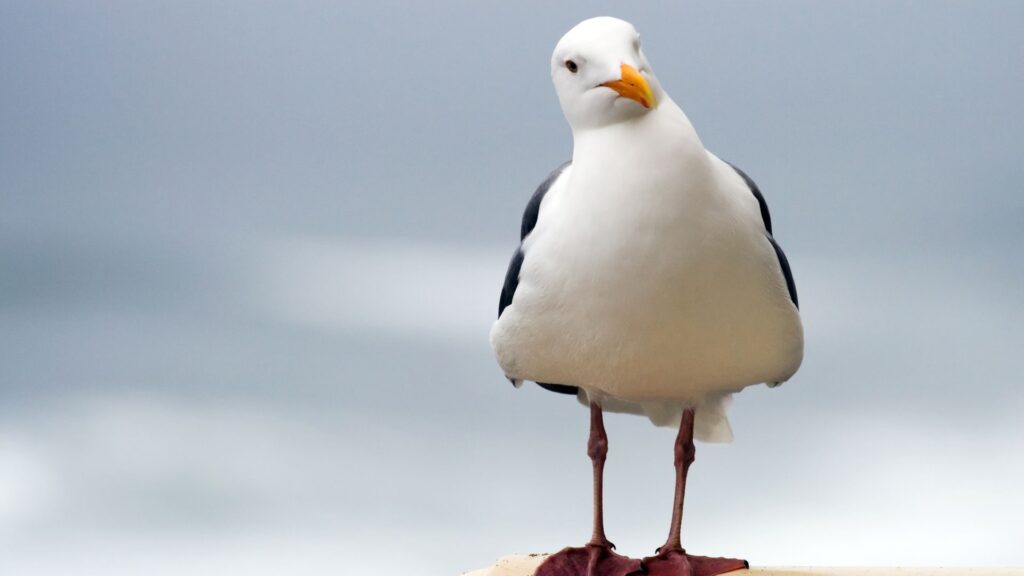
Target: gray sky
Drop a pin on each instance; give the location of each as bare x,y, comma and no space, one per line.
250,252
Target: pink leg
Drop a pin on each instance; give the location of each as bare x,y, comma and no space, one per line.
597,449
597,557
671,559
685,452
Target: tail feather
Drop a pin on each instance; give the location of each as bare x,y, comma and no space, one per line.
711,424
710,421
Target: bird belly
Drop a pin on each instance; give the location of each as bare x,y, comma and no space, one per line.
678,304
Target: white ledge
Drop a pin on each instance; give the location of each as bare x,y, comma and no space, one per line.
526,565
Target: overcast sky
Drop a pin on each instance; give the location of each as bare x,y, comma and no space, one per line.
250,252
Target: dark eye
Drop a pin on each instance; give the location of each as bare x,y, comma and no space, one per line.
571,66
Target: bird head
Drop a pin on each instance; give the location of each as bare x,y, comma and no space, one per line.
601,75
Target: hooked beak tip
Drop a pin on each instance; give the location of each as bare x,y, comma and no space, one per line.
634,86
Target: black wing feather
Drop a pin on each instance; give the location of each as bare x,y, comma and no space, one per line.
767,218
533,206
511,281
508,290
530,216
786,271
765,215
559,388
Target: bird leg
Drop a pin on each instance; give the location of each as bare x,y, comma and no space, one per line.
597,449
685,453
671,559
597,557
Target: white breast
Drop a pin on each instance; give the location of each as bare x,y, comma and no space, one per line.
649,277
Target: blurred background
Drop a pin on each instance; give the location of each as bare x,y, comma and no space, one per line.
250,253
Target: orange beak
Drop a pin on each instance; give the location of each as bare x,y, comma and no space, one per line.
633,86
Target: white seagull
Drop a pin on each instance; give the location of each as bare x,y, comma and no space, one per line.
647,281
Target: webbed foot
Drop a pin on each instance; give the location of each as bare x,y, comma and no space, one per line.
589,560
676,562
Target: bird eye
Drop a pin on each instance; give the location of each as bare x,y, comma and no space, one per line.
572,66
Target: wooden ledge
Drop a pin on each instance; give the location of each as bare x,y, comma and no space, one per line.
526,564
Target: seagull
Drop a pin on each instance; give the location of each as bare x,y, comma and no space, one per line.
647,281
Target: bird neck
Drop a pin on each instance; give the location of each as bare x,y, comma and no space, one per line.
662,138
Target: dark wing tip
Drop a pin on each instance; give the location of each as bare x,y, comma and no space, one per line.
530,216
559,388
786,271
508,289
765,215
532,211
